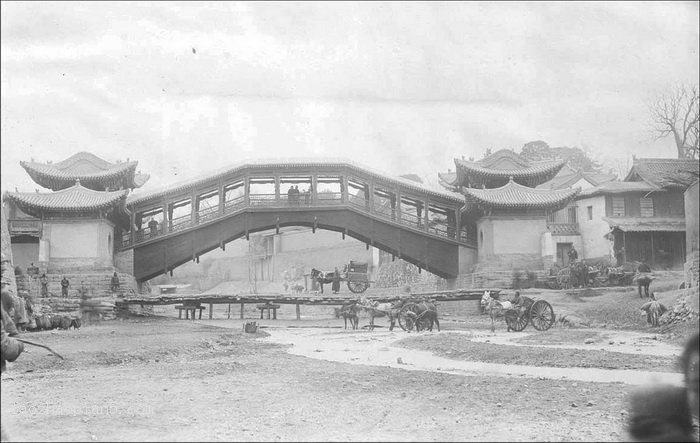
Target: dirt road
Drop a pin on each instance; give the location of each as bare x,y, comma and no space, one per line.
166,379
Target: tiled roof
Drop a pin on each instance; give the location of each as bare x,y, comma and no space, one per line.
646,224
74,199
533,168
617,187
497,168
87,167
658,171
514,195
288,164
568,177
448,180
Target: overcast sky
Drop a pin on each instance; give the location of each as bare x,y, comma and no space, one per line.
403,87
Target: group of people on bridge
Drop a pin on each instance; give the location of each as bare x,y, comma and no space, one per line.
294,195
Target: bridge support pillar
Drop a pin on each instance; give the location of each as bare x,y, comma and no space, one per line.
467,259
298,311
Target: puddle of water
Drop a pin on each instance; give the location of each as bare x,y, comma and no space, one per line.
357,348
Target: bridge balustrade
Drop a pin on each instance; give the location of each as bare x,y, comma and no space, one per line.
207,214
234,204
377,205
268,200
329,198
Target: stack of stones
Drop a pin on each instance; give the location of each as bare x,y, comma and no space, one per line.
683,310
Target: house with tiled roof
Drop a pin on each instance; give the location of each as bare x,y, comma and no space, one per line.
74,227
641,218
508,213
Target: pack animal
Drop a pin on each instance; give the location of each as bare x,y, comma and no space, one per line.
425,315
494,308
350,312
376,309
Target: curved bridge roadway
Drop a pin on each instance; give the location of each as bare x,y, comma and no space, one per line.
174,225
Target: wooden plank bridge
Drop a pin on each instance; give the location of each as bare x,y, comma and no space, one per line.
312,299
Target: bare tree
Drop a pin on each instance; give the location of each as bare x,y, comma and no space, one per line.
677,113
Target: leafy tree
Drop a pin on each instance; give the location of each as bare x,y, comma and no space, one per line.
677,112
577,158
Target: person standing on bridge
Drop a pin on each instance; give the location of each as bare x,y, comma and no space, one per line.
290,194
153,227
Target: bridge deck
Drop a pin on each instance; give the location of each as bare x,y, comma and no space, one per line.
449,295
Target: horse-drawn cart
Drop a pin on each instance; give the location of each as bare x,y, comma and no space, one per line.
354,273
418,314
537,312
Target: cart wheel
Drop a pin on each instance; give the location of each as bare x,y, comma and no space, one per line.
514,321
358,286
541,315
408,317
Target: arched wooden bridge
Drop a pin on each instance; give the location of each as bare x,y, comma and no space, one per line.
177,224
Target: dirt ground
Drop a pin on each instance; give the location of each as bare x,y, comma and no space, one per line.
164,379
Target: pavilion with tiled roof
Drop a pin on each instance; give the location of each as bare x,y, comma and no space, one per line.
509,214
74,226
514,196
71,202
92,171
497,169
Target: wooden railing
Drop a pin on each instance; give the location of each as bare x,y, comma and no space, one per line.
376,209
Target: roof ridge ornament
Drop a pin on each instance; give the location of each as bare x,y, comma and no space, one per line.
510,179
77,182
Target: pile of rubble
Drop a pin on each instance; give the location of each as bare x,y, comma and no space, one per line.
682,310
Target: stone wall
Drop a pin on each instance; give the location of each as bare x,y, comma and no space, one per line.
99,302
502,262
502,279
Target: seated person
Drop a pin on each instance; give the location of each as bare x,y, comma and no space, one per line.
517,301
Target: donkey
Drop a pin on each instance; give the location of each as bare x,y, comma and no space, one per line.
376,309
494,307
425,315
350,312
653,309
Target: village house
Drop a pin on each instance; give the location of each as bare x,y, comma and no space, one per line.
641,218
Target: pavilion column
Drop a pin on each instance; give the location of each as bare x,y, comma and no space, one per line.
397,206
194,208
165,218
277,189
246,190
344,192
314,187
222,196
458,222
425,213
371,195
132,221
